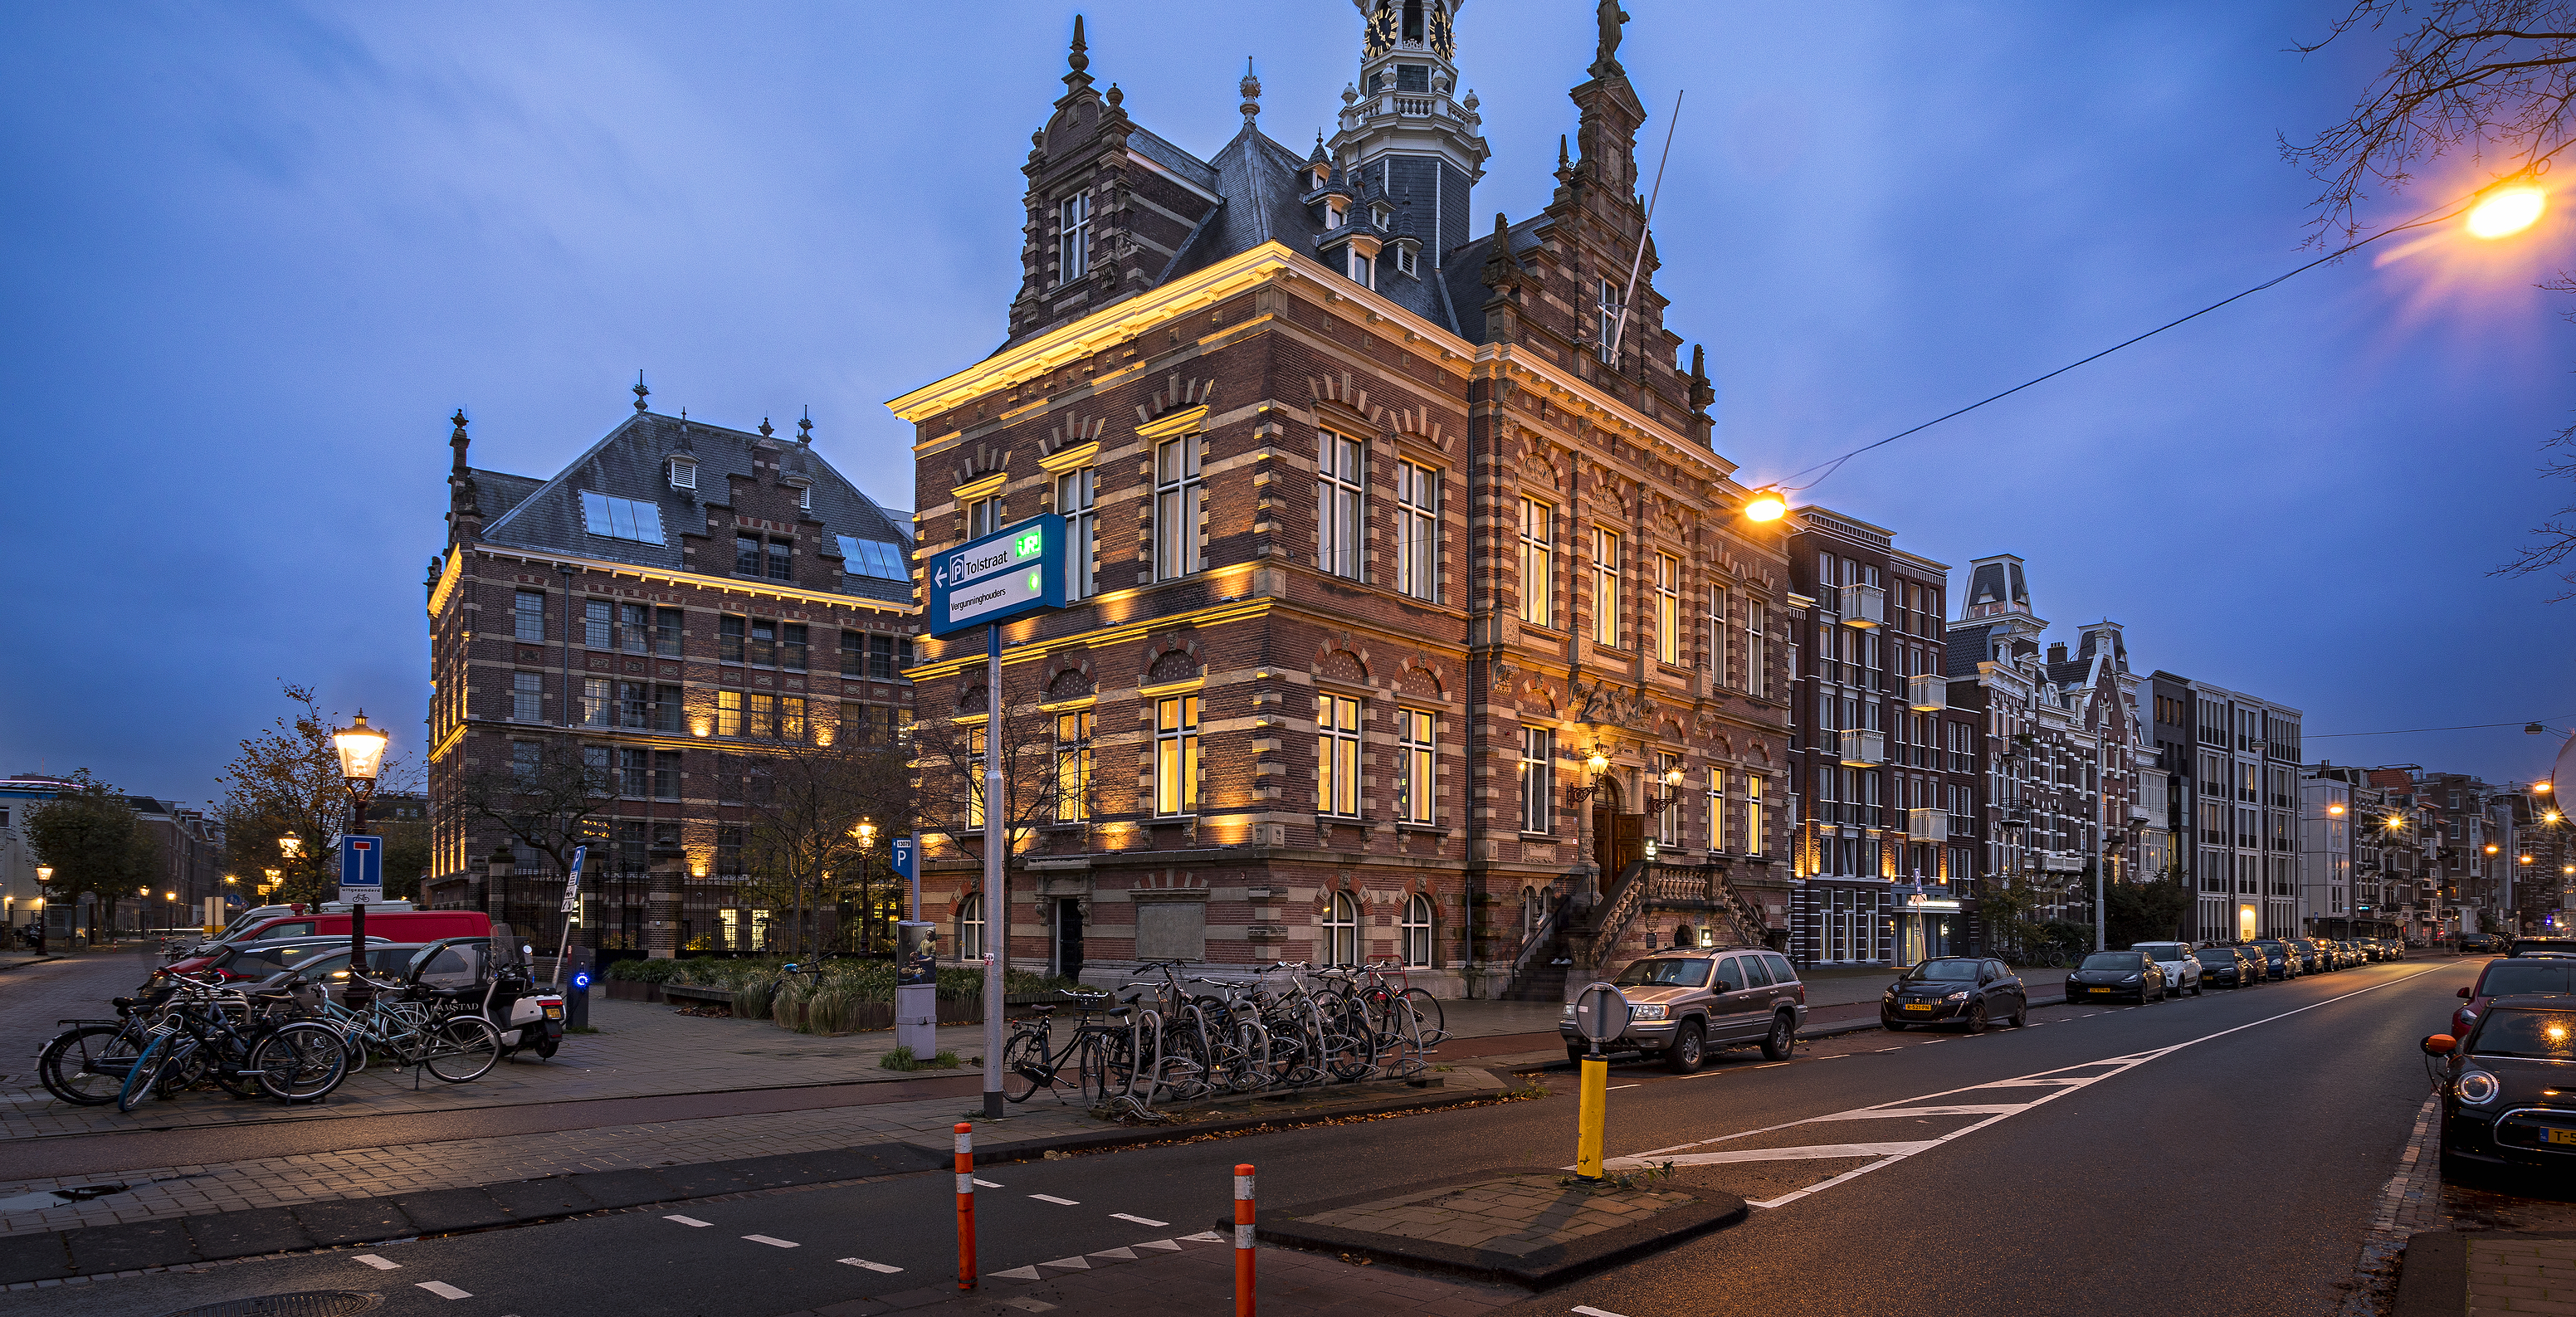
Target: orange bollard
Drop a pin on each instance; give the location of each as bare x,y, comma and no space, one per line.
965,1206
1243,1240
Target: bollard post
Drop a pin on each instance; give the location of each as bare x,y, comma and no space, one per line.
1243,1240
1596,1097
965,1206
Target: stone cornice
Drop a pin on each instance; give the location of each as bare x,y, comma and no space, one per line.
694,580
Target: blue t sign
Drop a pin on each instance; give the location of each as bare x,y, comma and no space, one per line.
362,869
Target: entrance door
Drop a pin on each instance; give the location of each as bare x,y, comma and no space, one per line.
1068,938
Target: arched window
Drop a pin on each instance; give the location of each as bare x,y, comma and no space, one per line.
1417,931
1533,911
1341,943
970,927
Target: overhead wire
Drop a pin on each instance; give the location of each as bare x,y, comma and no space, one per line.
2446,211
2407,731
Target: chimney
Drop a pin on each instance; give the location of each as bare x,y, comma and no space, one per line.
2057,651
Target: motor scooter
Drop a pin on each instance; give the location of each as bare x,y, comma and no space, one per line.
529,1015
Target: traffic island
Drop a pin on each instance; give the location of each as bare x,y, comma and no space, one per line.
1533,1227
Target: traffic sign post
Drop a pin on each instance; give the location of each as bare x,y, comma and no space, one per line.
362,870
906,856
571,911
1601,1015
1014,572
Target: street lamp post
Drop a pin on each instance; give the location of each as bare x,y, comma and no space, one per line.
1596,762
362,756
36,915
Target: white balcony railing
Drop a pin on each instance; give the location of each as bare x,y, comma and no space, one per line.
1864,606
1864,749
1927,824
1928,692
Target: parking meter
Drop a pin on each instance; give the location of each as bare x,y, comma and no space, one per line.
577,994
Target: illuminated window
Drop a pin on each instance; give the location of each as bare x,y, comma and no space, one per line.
1341,931
728,713
1176,755
1668,609
1538,563
1341,483
1414,763
1605,587
1337,755
1073,766
1538,779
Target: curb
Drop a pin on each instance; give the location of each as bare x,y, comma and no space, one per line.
2434,1282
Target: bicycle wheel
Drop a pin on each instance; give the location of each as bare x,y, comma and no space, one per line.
86,1066
463,1048
299,1062
1433,1022
143,1077
1024,1066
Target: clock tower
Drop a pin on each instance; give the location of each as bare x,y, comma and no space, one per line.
1403,123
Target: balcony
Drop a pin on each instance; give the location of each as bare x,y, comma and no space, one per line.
1927,824
1927,692
1863,749
1864,606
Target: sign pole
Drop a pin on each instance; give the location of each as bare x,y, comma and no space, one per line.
571,905
997,918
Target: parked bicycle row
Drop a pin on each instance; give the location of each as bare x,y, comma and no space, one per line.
290,1019
1173,1038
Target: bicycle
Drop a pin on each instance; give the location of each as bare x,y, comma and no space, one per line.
221,1034
421,1028
86,1064
1030,1063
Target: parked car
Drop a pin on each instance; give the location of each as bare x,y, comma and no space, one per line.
2346,954
253,961
2543,946
2117,974
2312,959
2279,961
2182,969
419,926
1964,990
2229,967
1684,1002
2512,976
2502,1104
2483,944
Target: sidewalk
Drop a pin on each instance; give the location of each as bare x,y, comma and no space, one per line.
1192,1276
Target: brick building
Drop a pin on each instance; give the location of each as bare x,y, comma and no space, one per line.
1414,616
676,599
1886,767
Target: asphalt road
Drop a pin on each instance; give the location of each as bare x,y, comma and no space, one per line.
2227,1148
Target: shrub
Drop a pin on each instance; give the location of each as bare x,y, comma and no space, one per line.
901,1059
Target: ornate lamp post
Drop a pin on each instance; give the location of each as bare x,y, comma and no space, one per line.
36,909
362,756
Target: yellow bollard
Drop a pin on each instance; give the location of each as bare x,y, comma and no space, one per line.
1596,1097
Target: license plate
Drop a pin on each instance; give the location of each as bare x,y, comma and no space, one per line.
2558,1136
554,1012
2092,989
1918,1008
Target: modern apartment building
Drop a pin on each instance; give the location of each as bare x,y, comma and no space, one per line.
2231,762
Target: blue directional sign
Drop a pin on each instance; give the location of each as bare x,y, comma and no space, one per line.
1007,574
362,869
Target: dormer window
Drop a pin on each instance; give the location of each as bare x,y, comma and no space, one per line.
805,497
1404,262
1333,214
1381,216
1073,238
684,474
1362,270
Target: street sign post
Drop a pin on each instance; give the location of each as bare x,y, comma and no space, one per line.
571,908
1013,572
1601,1015
362,870
906,854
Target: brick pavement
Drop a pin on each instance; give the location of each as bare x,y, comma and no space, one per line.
2521,1274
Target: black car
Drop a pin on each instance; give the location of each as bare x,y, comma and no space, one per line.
1962,990
2229,967
2543,946
2502,1104
2117,974
2477,944
2279,961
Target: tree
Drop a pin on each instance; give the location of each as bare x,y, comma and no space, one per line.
550,803
2145,912
804,804
1046,781
2493,78
287,779
95,844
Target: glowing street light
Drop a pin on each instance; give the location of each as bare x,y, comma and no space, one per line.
2507,211
291,845
1766,505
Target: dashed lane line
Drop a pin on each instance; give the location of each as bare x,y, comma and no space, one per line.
689,1221
1140,1220
772,1242
987,1184
1060,1202
444,1290
378,1263
1589,1311
864,1264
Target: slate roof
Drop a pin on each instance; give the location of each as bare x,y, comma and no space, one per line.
1463,276
1968,648
627,463
496,492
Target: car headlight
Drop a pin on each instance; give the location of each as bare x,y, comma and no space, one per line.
2477,1087
1647,1012
1569,1011
2135,978
1890,995
1961,995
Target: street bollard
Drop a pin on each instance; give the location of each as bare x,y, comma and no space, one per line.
1243,1240
1596,1097
965,1206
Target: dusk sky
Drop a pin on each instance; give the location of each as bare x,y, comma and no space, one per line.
258,253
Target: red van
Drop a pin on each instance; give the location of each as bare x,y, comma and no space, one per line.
410,926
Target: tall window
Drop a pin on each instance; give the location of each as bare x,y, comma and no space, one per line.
1417,516
635,628
763,650
782,560
1341,931
1668,820
983,517
1075,492
1176,754
1538,563
595,711
666,775
666,632
970,927
1538,779
882,655
854,653
530,616
791,718
1177,495
1073,766
1720,656
1073,238
760,715
1668,609
728,713
1609,345
975,777
524,758
1414,759
527,697
1752,814
1341,478
598,624
1416,928
791,646
1716,809
729,636
746,555
1605,587
635,773
1757,652
1337,755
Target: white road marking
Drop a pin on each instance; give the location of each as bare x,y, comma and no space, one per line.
1163,1244
871,1266
689,1221
1811,1152
379,1263
1140,1220
1060,1202
990,1185
1616,1087
1017,1273
1205,1236
773,1243
1589,1311
444,1290
1122,1254
2059,1081
1070,1264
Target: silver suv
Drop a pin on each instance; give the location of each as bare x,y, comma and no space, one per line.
1683,1003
